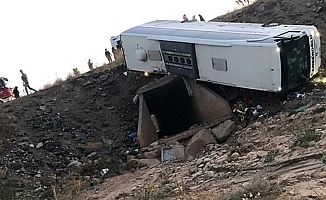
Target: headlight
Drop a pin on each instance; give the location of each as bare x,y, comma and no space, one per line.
146,74
317,34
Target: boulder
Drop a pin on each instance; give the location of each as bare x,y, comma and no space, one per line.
198,141
223,131
148,162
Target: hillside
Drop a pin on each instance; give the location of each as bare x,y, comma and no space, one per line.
55,143
68,131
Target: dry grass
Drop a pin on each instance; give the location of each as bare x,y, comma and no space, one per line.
258,189
71,75
57,81
71,186
149,193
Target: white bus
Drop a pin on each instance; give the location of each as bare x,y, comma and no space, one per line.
262,57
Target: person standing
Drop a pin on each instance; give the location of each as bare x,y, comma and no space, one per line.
115,53
25,82
201,18
108,55
90,65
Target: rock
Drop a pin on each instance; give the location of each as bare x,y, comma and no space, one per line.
75,166
223,131
257,124
198,141
206,160
38,175
194,176
252,155
311,143
193,170
207,166
148,162
91,154
211,174
39,145
261,153
132,163
223,158
199,161
150,155
308,4
42,108
235,155
261,7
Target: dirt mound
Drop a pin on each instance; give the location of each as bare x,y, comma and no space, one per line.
76,127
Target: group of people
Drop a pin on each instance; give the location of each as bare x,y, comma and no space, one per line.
116,51
15,90
117,54
194,19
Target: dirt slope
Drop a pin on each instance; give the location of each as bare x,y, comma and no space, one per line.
77,127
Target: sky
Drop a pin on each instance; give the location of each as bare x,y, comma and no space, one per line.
48,38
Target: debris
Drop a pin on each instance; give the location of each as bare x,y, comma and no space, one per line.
300,96
104,171
132,136
176,152
302,108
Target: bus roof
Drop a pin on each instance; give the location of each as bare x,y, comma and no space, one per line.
208,32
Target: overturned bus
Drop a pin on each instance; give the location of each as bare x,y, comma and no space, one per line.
273,58
266,57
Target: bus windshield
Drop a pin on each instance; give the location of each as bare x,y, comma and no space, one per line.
295,61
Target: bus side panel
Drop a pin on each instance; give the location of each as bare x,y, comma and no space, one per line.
134,46
253,67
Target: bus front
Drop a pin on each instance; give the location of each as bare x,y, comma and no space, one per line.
300,56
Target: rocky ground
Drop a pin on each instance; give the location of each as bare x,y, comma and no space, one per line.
55,143
75,128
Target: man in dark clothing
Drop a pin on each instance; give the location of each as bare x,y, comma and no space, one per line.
25,82
16,92
90,64
201,18
108,55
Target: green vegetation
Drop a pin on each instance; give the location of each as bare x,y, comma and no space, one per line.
260,189
306,138
150,193
324,158
270,156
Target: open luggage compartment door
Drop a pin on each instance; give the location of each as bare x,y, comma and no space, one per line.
173,104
